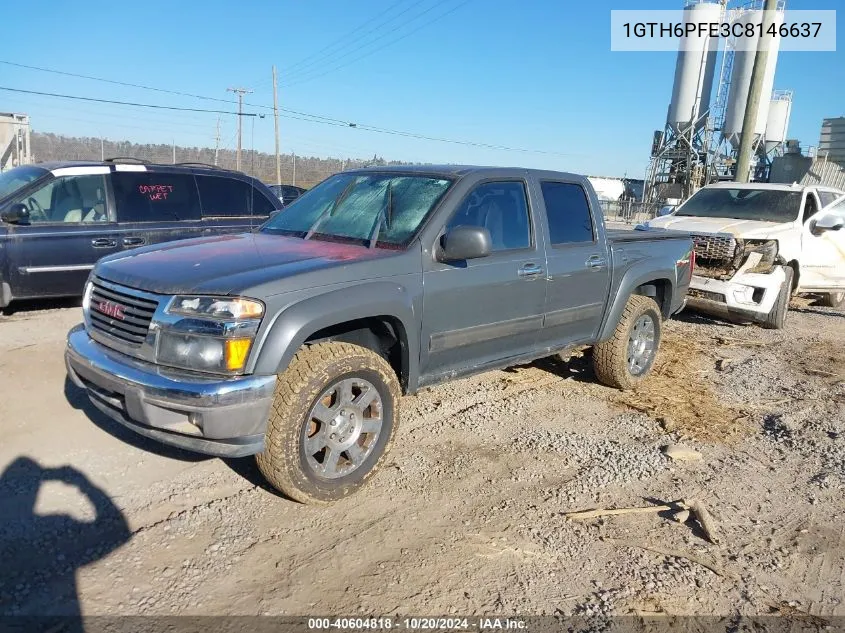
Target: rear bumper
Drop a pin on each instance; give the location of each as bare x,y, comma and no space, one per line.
747,295
221,417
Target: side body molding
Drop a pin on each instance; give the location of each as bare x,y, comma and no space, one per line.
292,326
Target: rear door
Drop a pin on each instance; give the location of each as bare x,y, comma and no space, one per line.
72,226
155,206
226,204
578,265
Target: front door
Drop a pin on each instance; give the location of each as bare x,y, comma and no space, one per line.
70,228
483,310
823,253
578,267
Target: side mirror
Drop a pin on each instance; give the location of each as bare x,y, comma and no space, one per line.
274,213
828,222
15,214
466,242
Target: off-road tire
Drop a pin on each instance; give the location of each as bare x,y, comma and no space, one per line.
833,300
313,369
610,358
776,319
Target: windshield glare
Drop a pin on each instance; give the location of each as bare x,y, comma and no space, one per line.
360,206
744,204
17,178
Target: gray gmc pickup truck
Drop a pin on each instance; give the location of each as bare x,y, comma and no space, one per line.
294,342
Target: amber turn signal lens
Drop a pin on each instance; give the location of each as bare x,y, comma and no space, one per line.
236,353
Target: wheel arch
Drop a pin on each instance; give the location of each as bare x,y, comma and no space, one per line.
640,280
379,316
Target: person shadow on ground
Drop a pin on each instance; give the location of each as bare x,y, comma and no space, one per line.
41,554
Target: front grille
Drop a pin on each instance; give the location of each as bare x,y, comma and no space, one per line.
713,249
108,305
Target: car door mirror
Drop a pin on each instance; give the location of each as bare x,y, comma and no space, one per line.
16,214
466,242
828,222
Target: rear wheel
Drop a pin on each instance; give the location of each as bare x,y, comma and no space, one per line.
834,300
627,357
334,417
776,319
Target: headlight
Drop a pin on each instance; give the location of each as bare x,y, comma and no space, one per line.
203,353
216,307
767,249
215,336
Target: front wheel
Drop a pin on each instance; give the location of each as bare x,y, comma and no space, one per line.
776,319
834,300
334,416
625,359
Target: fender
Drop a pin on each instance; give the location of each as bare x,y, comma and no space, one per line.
292,326
638,274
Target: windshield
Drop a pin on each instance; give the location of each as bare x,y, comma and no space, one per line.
766,205
17,178
371,208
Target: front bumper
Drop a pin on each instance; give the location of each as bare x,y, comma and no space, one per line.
225,417
746,295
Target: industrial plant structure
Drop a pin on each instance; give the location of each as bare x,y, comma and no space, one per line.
700,141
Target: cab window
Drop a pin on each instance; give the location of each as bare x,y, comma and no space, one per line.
68,199
502,209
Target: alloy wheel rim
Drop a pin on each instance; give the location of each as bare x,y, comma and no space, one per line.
342,428
641,345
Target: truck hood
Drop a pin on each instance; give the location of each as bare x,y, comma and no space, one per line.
226,264
746,229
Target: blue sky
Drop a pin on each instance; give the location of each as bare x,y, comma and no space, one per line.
536,74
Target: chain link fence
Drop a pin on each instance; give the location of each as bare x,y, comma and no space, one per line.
629,211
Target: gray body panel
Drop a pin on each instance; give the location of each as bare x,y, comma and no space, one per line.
450,319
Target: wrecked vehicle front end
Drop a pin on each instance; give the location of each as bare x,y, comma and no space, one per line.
735,277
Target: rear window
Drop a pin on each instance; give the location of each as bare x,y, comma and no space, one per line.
568,212
224,197
155,197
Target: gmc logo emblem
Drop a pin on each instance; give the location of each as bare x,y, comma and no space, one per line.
113,310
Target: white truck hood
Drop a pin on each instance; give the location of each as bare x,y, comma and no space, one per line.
747,229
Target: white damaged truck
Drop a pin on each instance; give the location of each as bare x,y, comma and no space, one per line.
757,244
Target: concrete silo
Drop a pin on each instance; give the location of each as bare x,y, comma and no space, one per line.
777,124
740,83
695,68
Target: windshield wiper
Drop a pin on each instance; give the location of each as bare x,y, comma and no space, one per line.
330,210
385,216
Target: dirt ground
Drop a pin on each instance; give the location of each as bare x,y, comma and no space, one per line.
468,515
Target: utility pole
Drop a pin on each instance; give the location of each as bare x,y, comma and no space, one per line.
294,169
217,141
276,124
752,105
240,92
102,150
174,151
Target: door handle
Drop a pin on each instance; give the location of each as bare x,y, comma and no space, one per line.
103,242
530,270
134,241
596,262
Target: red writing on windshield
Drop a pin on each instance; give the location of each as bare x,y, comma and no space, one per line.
156,192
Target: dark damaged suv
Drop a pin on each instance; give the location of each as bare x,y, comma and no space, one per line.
57,219
296,341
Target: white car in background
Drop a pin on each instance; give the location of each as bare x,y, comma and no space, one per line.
757,244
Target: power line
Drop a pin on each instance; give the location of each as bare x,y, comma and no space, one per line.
296,81
297,67
291,114
126,103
